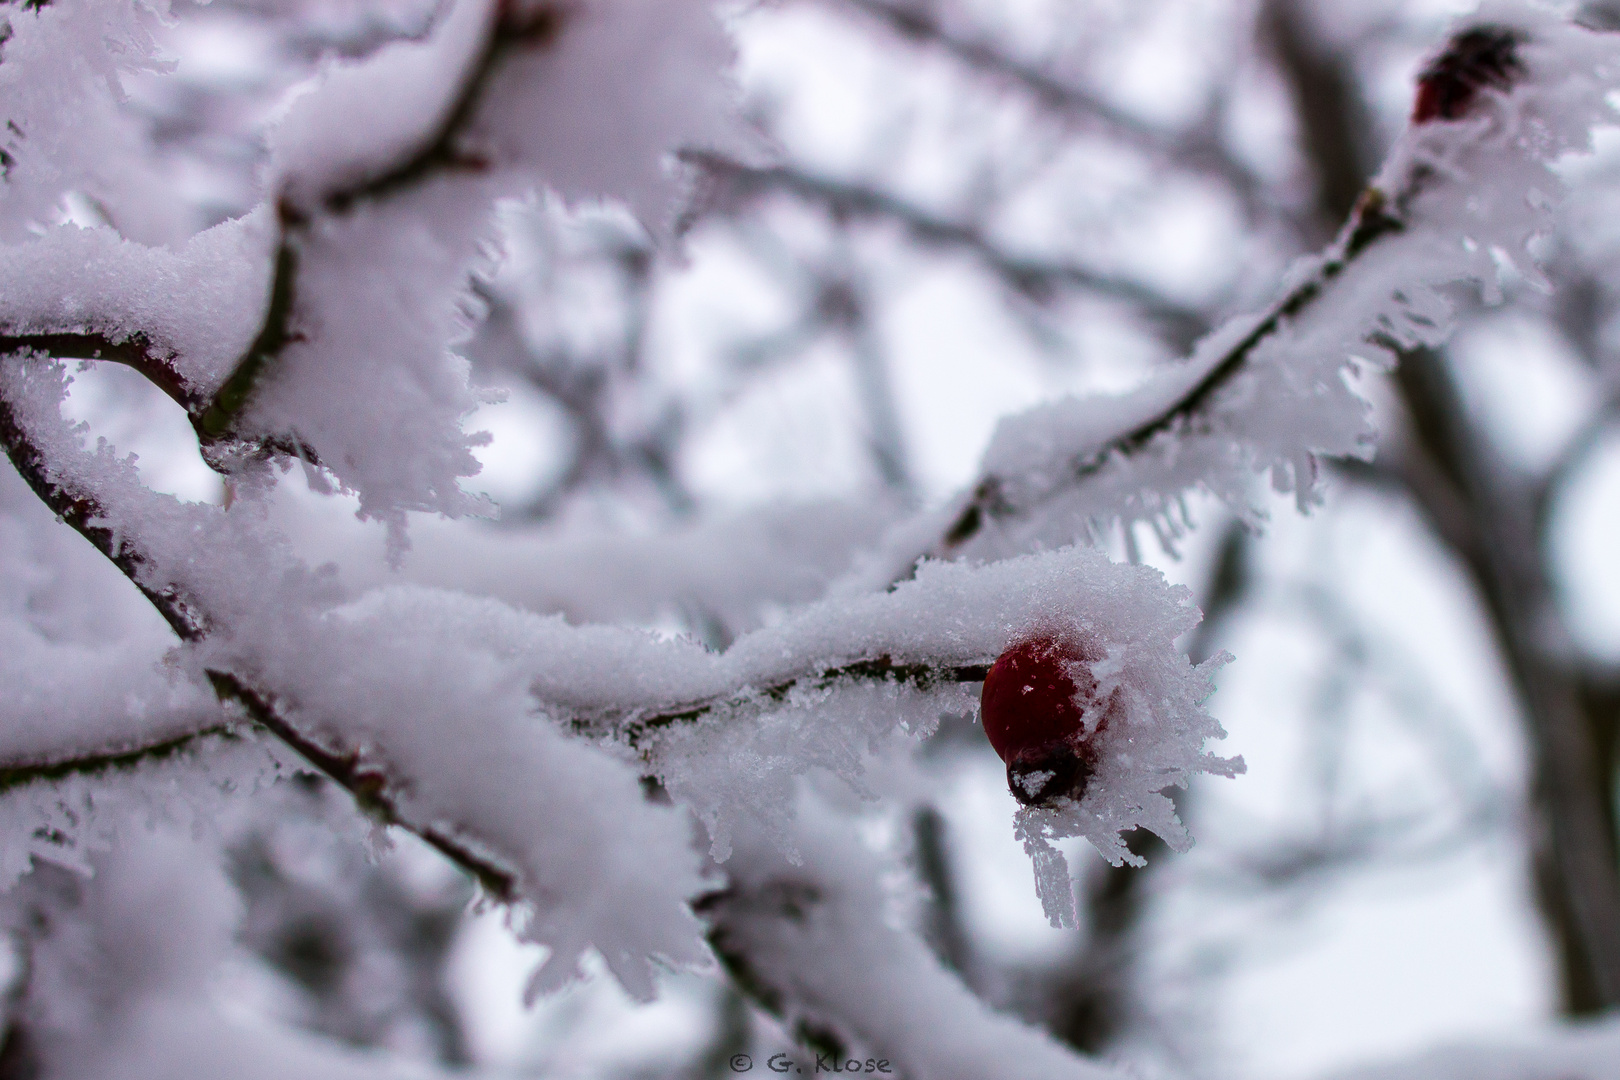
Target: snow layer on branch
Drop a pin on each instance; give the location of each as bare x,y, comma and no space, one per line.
1470,194
80,650
404,675
394,674
369,382
735,566
196,303
780,701
67,698
359,121
816,934
61,127
411,673
598,105
81,660
354,28
591,99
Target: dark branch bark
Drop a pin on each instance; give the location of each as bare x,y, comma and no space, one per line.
792,902
81,510
1334,124
943,927
135,351
1090,1003
372,789
533,29
368,786
586,392
20,774
214,419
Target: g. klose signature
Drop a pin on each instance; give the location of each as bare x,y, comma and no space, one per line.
825,1063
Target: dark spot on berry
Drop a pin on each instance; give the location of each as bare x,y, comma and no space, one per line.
1042,776
1484,56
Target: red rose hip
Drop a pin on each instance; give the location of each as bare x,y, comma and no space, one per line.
1033,707
1474,59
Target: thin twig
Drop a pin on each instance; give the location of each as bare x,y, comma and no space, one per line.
1194,149
15,775
635,727
732,181
135,351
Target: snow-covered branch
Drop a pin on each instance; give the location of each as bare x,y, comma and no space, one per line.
786,932
1462,194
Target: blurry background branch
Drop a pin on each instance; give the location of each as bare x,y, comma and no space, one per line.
1485,511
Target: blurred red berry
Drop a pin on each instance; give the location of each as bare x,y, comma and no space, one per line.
1033,708
1476,58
